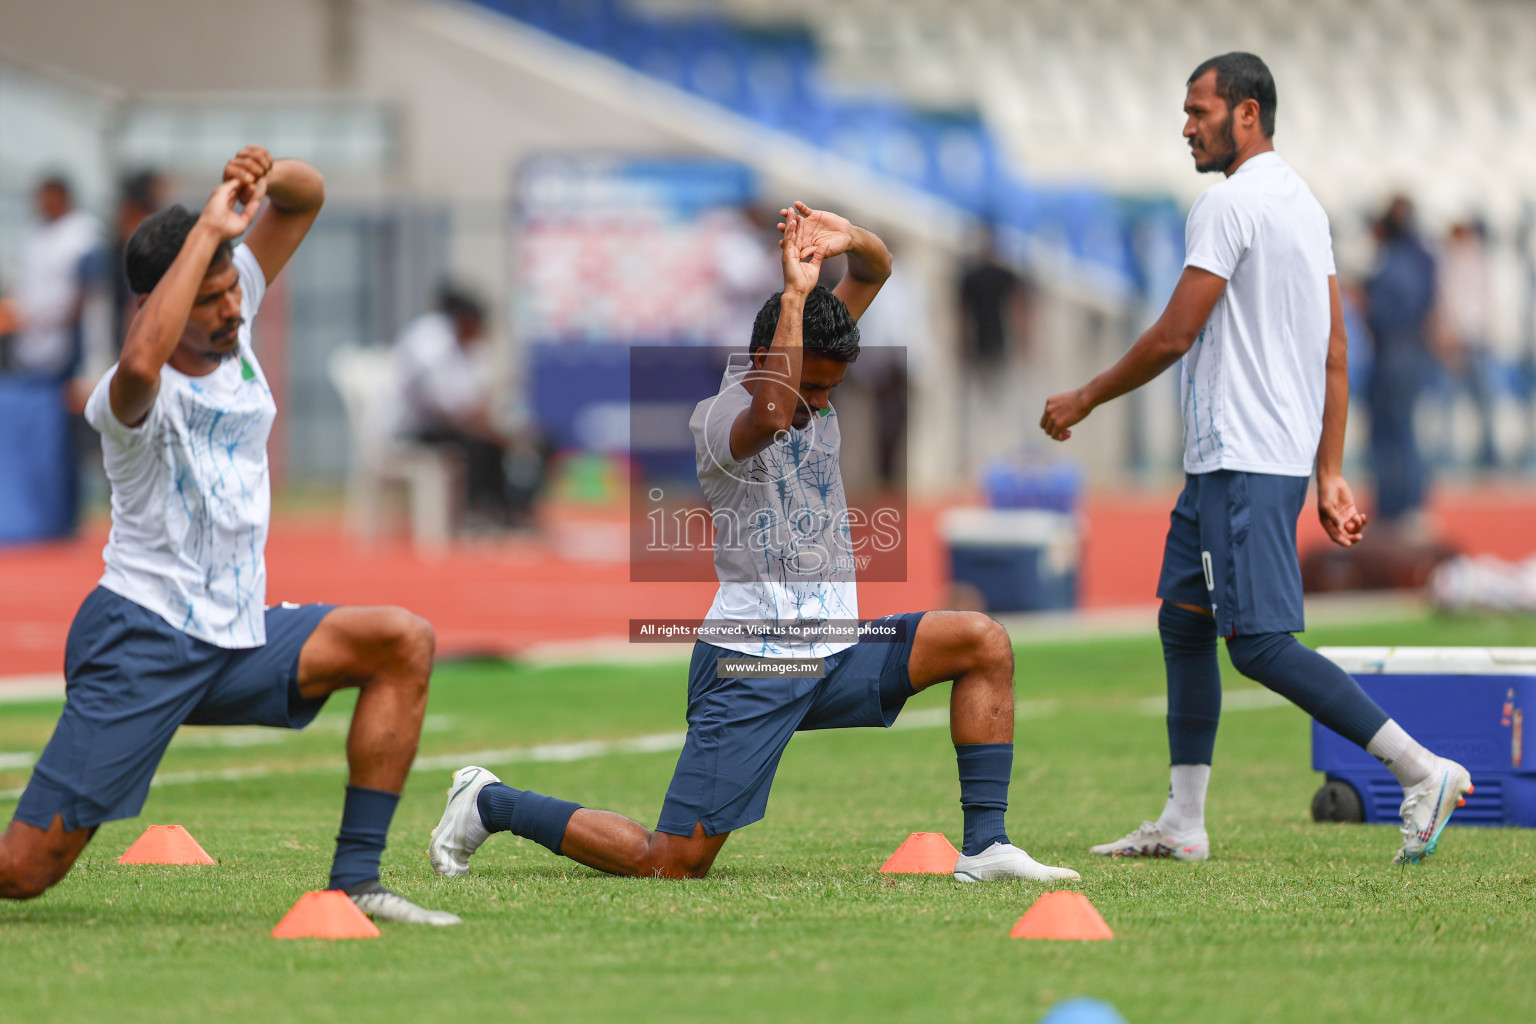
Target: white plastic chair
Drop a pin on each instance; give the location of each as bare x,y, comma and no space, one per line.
364,378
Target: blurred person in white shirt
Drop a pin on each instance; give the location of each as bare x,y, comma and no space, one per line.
59,265
443,400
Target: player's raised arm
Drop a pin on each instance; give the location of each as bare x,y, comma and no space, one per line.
869,261
158,327
776,369
1163,344
1343,521
295,193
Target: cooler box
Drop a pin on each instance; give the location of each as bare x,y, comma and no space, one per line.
1019,560
1466,703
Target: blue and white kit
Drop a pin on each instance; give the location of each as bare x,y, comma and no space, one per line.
177,632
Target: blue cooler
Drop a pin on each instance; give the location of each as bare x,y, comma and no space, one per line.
1465,703
1017,560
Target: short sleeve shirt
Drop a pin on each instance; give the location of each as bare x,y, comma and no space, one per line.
1253,383
191,498
783,549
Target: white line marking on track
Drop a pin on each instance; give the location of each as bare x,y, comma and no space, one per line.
654,743
28,689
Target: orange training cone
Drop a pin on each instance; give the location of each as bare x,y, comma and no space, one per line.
1062,914
923,853
325,914
165,844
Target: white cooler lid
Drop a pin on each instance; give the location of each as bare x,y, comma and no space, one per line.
1470,661
1005,527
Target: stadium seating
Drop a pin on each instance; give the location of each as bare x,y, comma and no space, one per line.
1050,116
1425,95
781,75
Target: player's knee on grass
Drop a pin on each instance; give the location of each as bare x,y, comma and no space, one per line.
683,856
684,867
29,881
29,867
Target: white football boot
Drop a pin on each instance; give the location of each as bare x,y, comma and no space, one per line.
1003,862
1151,841
383,904
460,832
1427,807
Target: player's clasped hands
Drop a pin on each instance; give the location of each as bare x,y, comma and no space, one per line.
249,167
821,231
802,263
235,202
220,212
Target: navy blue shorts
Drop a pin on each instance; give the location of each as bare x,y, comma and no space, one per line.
1232,548
738,727
131,679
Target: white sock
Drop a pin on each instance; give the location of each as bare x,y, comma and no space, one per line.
1404,755
1184,813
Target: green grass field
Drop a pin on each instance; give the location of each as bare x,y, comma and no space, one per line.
1290,920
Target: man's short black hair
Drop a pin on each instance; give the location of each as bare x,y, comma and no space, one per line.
1242,76
828,329
459,304
141,189
157,243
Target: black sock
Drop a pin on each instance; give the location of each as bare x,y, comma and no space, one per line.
525,813
1310,681
1194,683
984,772
365,818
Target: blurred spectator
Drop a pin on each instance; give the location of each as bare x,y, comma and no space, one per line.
443,401
747,265
1465,300
139,195
899,317
60,263
1399,297
992,299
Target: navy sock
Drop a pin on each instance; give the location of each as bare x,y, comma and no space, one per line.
1194,683
525,813
365,818
984,772
1310,681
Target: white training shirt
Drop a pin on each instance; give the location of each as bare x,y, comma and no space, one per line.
1254,381
191,498
783,549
